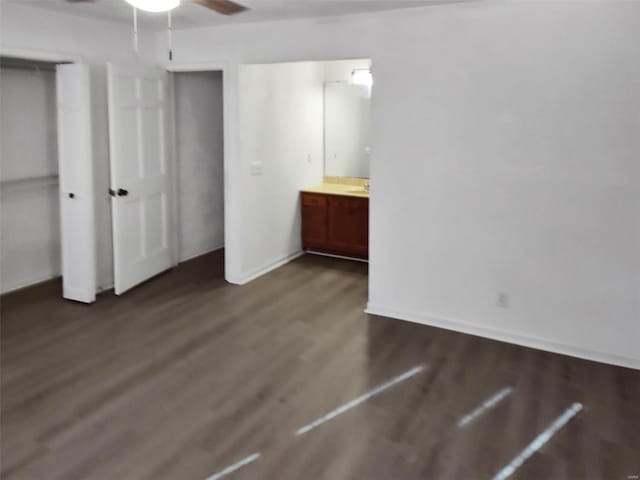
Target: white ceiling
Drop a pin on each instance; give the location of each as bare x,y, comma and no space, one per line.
189,15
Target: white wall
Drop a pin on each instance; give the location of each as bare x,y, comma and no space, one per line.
33,33
35,30
29,228
341,70
281,130
200,150
505,154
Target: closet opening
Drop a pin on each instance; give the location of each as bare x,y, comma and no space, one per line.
47,175
29,187
199,167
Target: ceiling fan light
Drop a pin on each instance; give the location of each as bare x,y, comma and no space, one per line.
154,5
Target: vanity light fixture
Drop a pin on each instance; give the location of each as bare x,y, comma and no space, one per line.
154,5
362,76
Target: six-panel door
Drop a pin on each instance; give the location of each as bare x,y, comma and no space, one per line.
140,177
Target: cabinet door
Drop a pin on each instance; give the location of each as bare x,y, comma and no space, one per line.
360,219
341,228
314,221
348,231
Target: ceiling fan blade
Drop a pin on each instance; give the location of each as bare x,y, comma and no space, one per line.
225,7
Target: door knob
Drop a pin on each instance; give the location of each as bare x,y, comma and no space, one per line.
72,195
122,192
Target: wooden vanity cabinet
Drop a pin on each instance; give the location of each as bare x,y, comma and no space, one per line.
335,224
314,221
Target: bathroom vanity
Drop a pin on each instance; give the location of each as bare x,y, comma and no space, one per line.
335,214
335,220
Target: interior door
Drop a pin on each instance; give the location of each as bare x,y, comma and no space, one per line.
75,160
140,179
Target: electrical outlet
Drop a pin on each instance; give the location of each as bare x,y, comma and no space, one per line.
503,300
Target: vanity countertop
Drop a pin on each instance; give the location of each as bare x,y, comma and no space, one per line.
338,189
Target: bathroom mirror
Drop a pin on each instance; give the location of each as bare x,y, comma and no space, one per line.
347,113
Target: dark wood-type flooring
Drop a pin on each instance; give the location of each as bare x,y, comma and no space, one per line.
187,375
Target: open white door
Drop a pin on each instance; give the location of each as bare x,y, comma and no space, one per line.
75,158
140,180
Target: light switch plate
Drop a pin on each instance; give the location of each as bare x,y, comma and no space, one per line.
256,168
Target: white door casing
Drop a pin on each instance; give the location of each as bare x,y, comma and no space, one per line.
141,185
75,159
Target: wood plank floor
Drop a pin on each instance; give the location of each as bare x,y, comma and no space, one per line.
187,375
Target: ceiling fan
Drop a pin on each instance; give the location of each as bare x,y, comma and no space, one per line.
224,7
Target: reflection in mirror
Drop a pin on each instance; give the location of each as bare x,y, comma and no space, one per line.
347,109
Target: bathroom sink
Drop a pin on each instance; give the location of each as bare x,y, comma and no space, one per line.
359,191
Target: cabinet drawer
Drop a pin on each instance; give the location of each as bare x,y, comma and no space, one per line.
314,200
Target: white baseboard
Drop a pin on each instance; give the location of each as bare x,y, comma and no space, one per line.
258,272
28,282
105,287
331,255
199,254
504,336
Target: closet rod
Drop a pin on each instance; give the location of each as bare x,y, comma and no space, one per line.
31,68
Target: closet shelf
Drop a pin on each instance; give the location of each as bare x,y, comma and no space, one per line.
29,182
